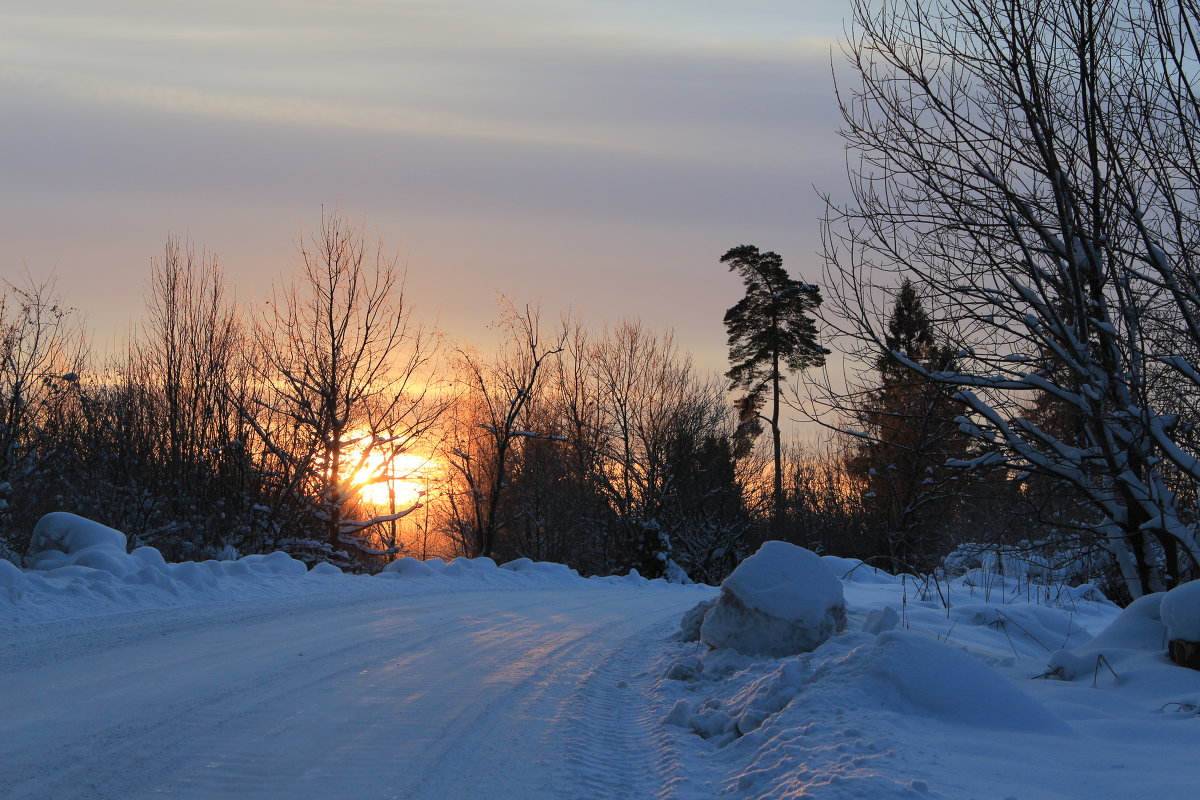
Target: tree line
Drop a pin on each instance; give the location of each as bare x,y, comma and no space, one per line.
226,429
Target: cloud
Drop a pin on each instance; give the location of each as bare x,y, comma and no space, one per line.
566,149
644,110
598,92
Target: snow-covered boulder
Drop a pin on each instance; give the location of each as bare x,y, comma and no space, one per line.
780,601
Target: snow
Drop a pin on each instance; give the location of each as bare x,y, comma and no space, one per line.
917,674
944,689
410,567
881,620
127,676
689,625
1181,612
1137,635
430,695
77,568
779,601
60,539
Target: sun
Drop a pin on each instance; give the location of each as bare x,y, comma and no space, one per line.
403,482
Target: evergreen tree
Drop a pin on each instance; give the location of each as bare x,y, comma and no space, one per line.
707,514
912,432
770,334
909,331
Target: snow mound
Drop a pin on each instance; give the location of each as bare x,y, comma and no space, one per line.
894,673
881,620
409,567
780,601
1135,640
546,570
941,680
1181,612
855,571
274,564
59,536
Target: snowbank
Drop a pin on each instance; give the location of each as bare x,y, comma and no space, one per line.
940,688
79,568
780,601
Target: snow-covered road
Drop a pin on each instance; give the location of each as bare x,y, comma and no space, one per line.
123,676
527,694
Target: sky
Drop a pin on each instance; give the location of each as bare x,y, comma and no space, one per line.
597,157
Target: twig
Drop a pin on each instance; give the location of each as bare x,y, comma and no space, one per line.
1000,613
1100,659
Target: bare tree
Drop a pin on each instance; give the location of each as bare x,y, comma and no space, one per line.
192,337
653,441
187,364
1034,165
490,414
42,353
343,371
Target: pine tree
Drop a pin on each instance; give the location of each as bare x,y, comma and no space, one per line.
770,334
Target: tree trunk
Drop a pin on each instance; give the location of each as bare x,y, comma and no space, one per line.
777,516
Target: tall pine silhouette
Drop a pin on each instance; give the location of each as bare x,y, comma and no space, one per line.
770,334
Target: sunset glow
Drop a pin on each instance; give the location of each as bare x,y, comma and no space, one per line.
405,480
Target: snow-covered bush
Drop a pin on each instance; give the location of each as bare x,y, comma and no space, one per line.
1042,561
780,601
59,535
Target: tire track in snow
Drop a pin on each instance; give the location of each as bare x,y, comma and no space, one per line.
536,728
617,746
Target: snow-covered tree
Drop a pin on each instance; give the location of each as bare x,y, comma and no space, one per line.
1032,167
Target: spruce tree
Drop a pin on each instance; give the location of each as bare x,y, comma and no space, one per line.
912,432
770,334
909,331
